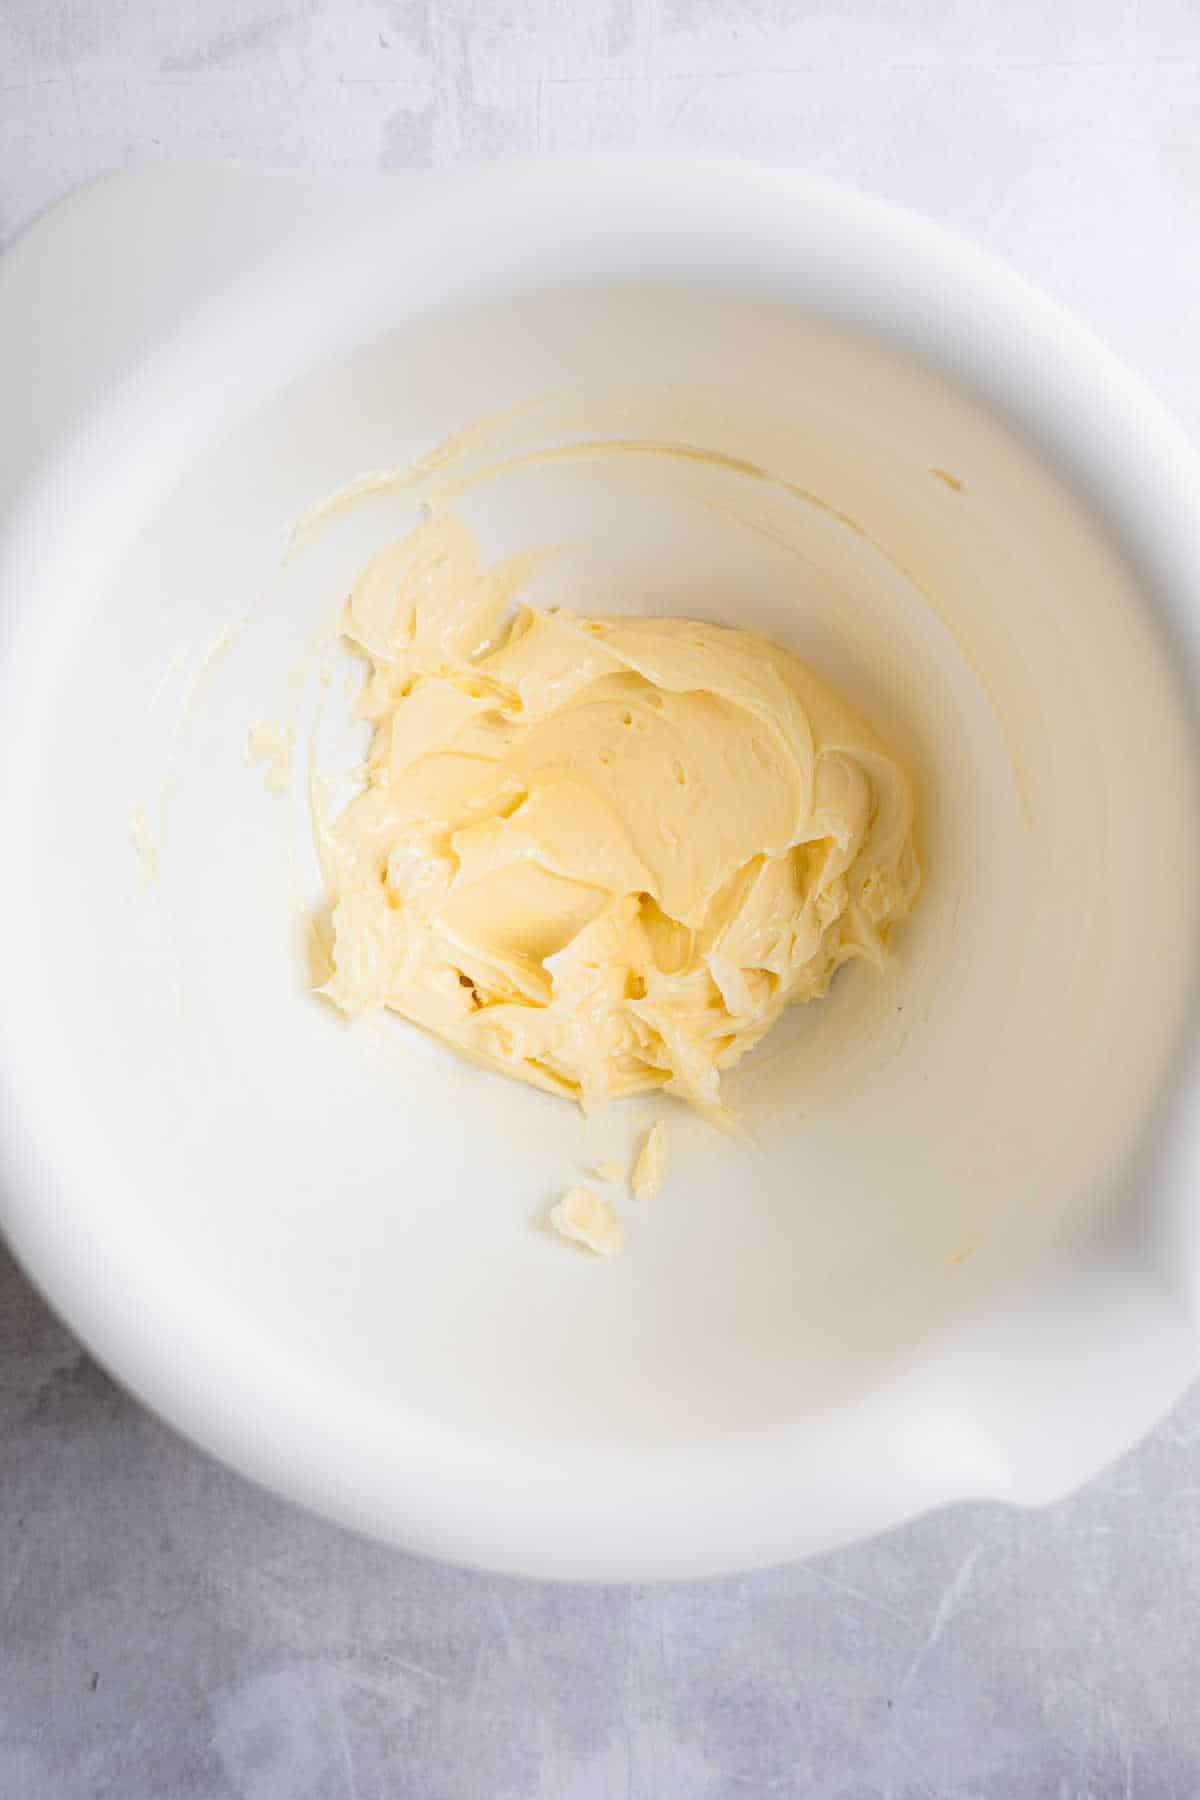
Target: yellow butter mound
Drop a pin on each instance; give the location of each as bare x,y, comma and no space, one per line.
600,855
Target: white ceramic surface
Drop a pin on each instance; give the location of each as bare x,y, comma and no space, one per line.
964,1259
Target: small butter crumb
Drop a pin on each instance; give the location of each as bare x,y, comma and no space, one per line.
651,1165
143,843
221,645
584,1217
272,745
609,1171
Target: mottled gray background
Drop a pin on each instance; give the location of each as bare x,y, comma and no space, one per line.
167,1631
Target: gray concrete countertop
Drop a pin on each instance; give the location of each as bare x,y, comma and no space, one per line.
168,1632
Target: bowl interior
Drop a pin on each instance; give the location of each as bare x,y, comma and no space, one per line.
375,1207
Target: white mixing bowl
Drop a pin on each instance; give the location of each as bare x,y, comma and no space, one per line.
962,1257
